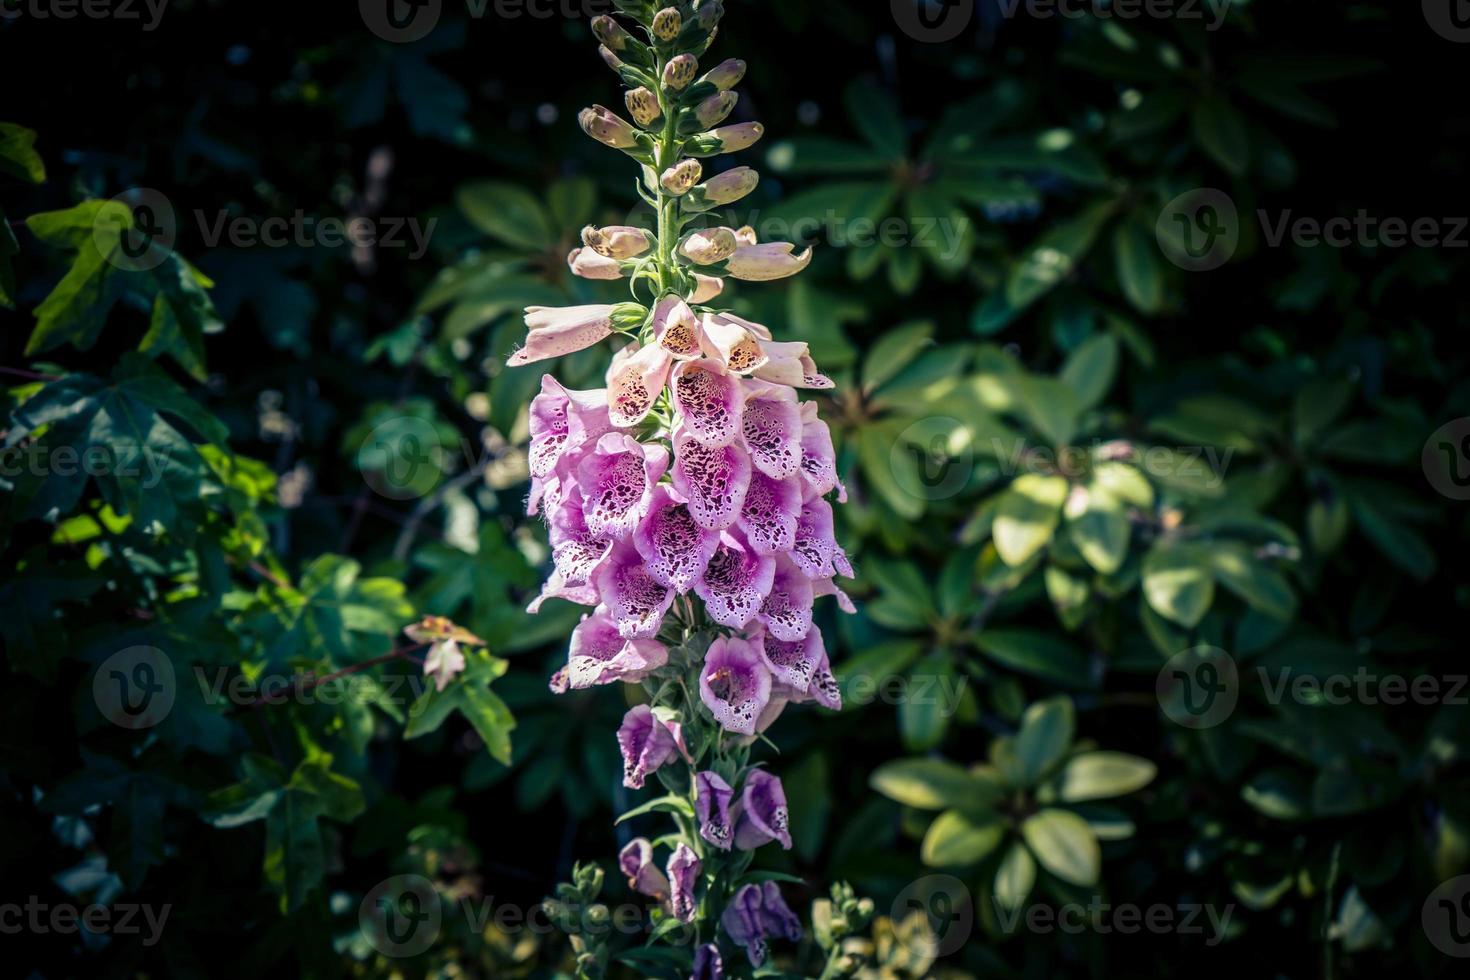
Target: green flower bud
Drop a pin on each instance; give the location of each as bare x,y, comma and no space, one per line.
624,316
610,32
643,107
666,24
598,917
679,178
726,75
679,72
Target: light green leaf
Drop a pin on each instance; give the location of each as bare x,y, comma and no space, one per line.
1027,515
955,839
933,784
1179,583
507,212
1064,845
1101,775
1015,877
1046,732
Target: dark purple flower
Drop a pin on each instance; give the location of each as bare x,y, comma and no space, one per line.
734,684
712,807
644,877
762,813
707,963
647,743
684,868
758,913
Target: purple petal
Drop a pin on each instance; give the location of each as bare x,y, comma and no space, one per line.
744,923
736,582
636,862
676,329
793,662
617,482
709,399
816,541
557,587
563,419
646,744
818,459
575,550
770,513
763,814
634,382
684,869
673,544
734,684
599,654
779,919
635,599
772,429
712,807
564,330
707,963
825,586
787,611
713,481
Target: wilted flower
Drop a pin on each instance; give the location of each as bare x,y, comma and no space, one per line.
443,662
684,867
757,914
601,655
635,860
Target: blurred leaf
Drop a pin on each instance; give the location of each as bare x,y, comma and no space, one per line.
1064,845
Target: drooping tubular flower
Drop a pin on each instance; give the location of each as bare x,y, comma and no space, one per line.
688,501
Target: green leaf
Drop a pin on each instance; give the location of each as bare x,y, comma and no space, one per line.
1139,271
470,695
923,721
933,784
506,212
1038,654
1027,515
1064,845
895,349
1055,256
1266,590
878,460
18,156
821,155
1101,775
1178,582
1277,793
955,839
876,115
1015,877
663,804
1221,130
1046,733
1091,368
1101,531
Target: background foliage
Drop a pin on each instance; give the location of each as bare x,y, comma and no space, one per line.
1283,515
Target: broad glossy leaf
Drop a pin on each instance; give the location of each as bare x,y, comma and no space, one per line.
1102,775
955,839
1027,515
1064,845
1179,582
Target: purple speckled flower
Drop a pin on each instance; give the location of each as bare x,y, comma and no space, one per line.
787,610
707,963
599,654
684,869
757,914
634,598
674,547
762,815
617,480
734,684
647,743
644,877
712,807
736,581
562,420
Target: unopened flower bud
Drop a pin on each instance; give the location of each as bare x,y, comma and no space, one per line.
608,128
709,246
598,916
666,24
726,75
616,241
610,32
643,107
713,110
679,178
708,13
679,72
726,139
613,61
628,316
730,186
